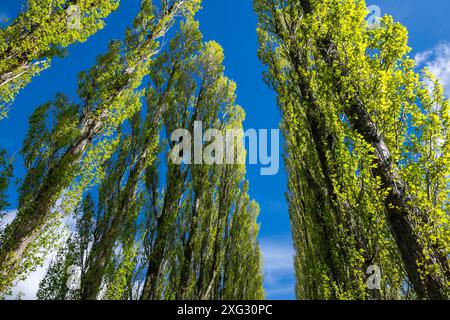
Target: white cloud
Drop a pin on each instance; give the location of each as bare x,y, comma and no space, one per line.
28,288
278,268
7,219
437,61
422,57
277,256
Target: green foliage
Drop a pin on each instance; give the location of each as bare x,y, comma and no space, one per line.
367,151
367,155
201,222
67,143
38,34
61,281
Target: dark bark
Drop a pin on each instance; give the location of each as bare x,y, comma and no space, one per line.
399,209
188,254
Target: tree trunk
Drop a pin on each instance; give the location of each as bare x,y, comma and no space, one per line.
165,221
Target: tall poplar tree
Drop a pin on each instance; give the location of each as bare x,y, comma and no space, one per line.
197,229
62,280
64,159
367,151
212,217
42,31
143,144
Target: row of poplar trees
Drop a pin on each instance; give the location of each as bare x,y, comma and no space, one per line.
368,151
367,156
136,225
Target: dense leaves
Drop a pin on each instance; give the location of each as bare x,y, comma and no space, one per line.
367,156
367,151
42,31
67,142
187,238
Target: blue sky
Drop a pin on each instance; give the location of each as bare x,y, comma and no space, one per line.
231,23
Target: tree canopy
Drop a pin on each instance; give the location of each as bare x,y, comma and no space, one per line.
367,151
111,191
42,31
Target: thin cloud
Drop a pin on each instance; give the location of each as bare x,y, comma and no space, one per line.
27,289
278,268
7,218
422,57
437,61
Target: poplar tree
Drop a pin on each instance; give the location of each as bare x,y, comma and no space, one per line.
144,142
64,159
203,211
216,219
41,32
201,226
62,280
100,254
367,151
